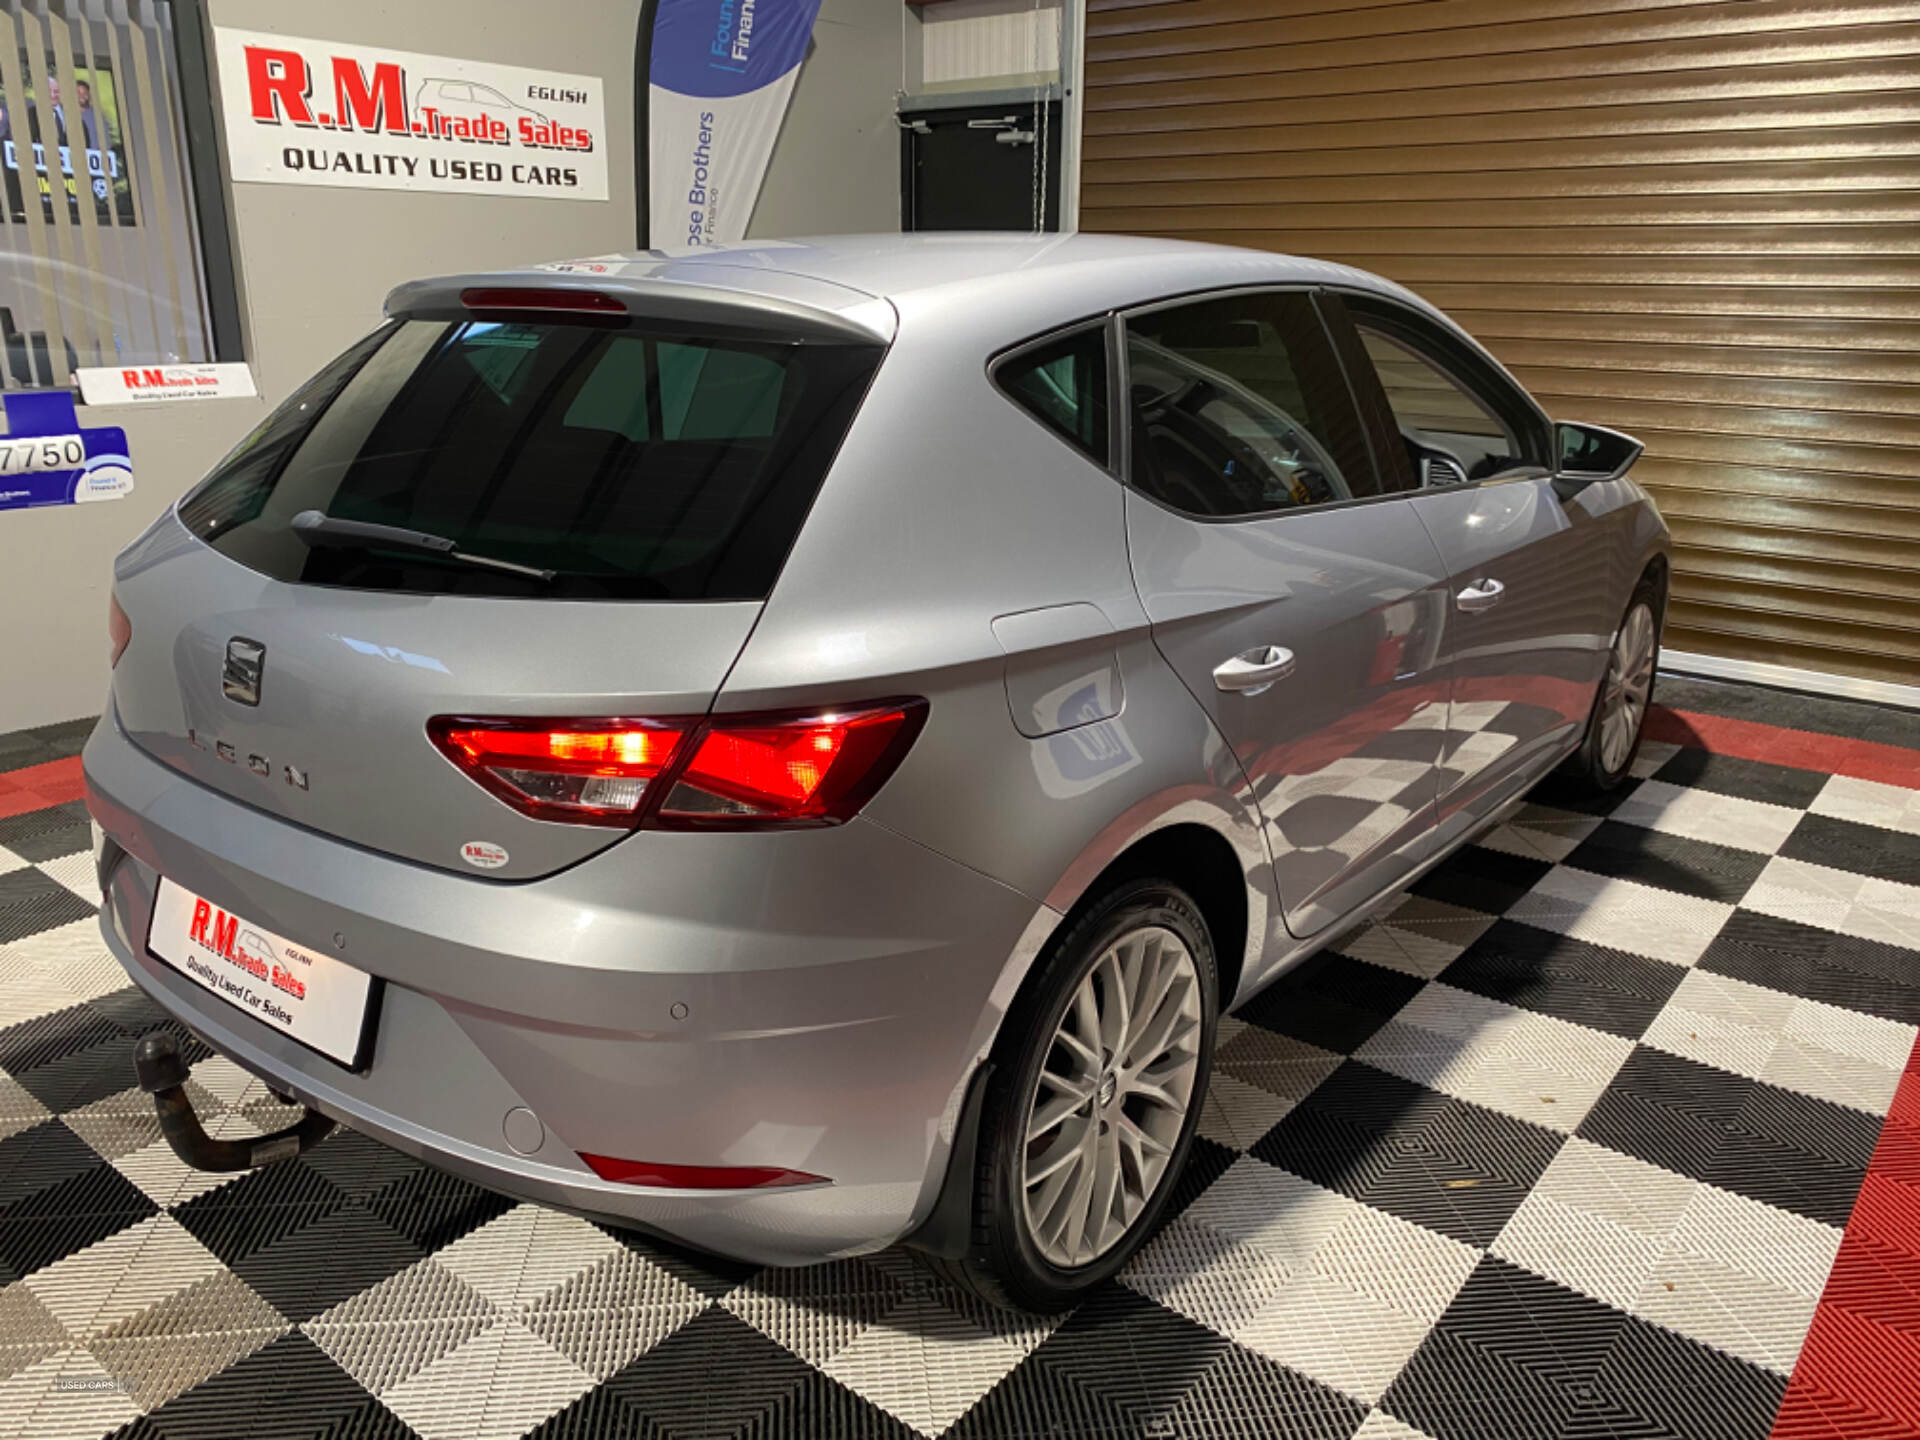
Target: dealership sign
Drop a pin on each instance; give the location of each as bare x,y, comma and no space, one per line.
310,112
720,75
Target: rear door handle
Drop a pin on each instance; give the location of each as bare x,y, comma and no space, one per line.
1481,595
1252,671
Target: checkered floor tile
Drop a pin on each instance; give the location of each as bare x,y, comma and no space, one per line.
1564,1144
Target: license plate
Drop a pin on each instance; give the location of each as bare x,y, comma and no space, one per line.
323,1003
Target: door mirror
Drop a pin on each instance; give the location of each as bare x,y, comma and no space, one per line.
1593,452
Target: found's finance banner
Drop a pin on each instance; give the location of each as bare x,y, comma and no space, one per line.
313,112
719,79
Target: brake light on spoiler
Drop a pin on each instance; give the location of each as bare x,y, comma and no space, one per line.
541,297
721,772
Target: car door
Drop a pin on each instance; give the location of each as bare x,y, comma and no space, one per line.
1299,600
1526,627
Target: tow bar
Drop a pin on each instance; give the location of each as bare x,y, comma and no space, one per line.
163,1075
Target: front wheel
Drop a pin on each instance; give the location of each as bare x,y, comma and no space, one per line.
1092,1107
1619,714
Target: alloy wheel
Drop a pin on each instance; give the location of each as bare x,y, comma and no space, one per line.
1623,705
1112,1097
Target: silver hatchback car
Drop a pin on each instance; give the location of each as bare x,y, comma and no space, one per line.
795,747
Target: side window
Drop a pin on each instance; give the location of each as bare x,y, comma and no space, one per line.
1063,385
1457,418
1238,408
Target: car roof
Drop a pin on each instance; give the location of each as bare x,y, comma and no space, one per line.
859,282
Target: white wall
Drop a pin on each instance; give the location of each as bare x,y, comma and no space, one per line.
836,166
314,266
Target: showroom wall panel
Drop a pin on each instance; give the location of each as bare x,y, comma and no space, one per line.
1694,221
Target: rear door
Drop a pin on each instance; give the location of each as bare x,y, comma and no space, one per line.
1298,599
1526,623
619,496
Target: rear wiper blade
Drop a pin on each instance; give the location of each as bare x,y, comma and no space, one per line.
318,530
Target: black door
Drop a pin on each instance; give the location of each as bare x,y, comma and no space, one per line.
977,168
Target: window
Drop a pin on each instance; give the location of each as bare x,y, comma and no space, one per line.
634,465
1063,384
1238,408
1457,417
101,259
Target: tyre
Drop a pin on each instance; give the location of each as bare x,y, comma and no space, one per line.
1095,1094
1619,716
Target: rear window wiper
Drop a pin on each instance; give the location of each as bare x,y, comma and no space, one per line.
318,530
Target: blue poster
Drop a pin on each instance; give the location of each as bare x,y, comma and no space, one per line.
719,79
46,458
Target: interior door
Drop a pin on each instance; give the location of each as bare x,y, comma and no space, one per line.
1300,602
981,168
1527,624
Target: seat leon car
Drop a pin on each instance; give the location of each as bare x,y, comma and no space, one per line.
794,747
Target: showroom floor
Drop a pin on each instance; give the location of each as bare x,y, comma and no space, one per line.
1585,1139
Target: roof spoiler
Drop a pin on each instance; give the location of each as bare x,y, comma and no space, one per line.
710,307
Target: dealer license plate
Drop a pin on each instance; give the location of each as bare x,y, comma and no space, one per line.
323,1003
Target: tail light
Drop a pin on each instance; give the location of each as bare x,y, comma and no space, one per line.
724,772
119,630
589,772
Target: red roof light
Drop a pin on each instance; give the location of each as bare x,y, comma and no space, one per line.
541,297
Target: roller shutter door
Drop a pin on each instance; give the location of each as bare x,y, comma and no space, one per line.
1696,222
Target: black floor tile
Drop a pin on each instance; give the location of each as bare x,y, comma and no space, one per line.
42,835
259,1209
1863,849
46,1039
1786,1149
289,1390
1671,862
1480,879
713,1379
1518,1356
40,1157
31,902
1569,979
1122,1366
1331,1001
315,1267
1817,964
1457,1168
1745,779
434,1209
57,1220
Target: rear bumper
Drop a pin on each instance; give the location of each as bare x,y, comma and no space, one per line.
809,1000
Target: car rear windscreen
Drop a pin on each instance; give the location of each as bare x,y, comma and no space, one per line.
633,463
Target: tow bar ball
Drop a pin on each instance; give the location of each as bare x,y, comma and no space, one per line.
163,1075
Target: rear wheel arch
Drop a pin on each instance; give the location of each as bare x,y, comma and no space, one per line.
1201,861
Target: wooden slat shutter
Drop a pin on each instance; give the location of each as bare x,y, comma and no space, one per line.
1693,221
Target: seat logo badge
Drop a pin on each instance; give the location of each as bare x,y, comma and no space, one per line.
240,676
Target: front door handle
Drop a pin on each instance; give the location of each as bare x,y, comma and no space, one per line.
1252,671
1481,595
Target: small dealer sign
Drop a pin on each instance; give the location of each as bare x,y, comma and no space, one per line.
311,112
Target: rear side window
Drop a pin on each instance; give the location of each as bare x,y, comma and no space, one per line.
633,464
1063,384
1239,409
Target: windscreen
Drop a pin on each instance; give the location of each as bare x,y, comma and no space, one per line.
632,463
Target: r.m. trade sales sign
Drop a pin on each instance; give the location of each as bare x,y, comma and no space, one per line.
311,112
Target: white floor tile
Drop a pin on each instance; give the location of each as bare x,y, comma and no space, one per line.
1623,914
1866,802
1709,816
